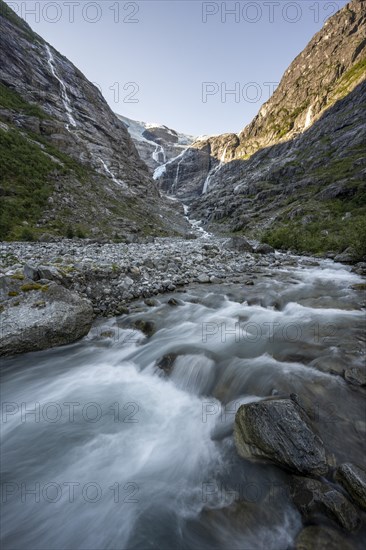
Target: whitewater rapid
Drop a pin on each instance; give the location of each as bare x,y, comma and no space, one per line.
102,449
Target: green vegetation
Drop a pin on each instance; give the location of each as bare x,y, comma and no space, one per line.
29,166
18,277
348,81
329,230
10,99
33,286
10,15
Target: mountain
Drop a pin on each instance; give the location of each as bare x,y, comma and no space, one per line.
295,175
69,165
156,144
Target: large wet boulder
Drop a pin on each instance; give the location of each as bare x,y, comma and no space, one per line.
240,244
316,499
36,317
280,431
353,480
324,538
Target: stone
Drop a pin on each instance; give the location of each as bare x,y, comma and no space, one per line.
240,244
175,302
279,430
316,537
264,248
353,480
147,327
63,318
356,376
31,272
315,499
203,278
166,362
348,256
49,272
151,302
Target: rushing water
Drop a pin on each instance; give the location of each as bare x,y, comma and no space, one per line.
117,454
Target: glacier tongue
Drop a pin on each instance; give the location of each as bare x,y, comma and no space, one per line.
65,98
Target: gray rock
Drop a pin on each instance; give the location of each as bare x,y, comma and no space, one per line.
315,537
264,248
166,363
348,256
240,244
31,272
279,430
203,278
356,376
49,272
315,499
43,319
353,479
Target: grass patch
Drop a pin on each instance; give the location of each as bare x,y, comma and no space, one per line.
326,233
10,99
33,286
26,181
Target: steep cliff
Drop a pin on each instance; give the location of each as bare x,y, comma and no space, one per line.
68,163
296,174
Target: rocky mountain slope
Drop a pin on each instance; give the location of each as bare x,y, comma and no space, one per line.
69,165
156,144
298,169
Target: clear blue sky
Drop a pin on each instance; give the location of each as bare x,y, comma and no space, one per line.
168,49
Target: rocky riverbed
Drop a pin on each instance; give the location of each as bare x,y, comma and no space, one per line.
49,286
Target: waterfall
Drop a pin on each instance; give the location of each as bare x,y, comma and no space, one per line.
213,172
159,150
308,117
65,98
110,174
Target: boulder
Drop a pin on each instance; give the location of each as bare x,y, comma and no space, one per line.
203,278
240,244
166,363
325,538
31,272
353,480
316,499
280,431
356,376
264,248
49,272
348,256
44,318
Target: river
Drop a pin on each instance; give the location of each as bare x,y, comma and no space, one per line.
101,449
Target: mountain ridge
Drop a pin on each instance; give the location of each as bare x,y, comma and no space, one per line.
95,182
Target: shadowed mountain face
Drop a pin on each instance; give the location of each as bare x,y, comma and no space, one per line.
299,167
69,162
